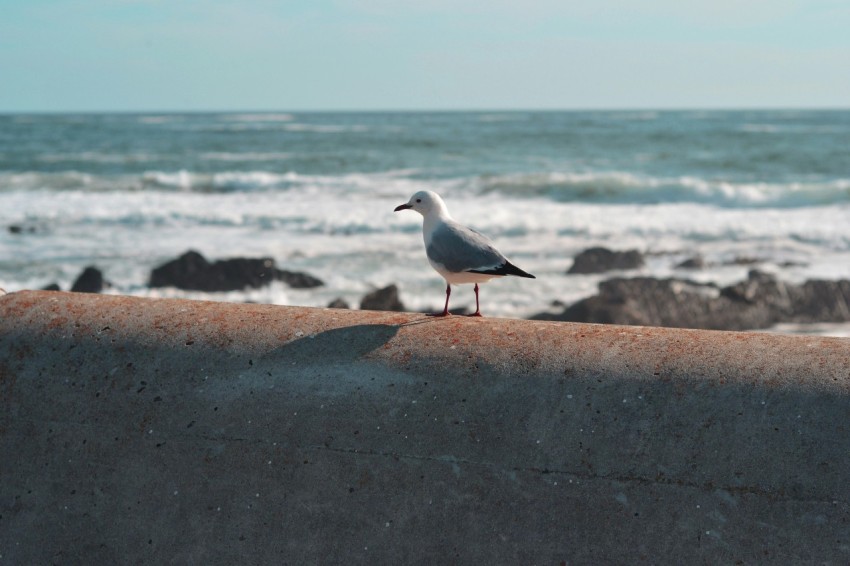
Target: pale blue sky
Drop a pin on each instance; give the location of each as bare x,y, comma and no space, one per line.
115,55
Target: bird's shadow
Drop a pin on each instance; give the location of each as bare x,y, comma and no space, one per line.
347,344
338,345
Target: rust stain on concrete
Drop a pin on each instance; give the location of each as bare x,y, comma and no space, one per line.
566,348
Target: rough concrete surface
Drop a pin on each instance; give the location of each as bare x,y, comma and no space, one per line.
170,431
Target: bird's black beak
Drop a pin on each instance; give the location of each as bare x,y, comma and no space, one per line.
402,207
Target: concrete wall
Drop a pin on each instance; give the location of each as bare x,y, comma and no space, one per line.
168,431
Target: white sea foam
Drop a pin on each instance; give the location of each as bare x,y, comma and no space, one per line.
161,119
325,128
278,125
837,330
614,187
620,187
791,128
12,181
97,157
257,117
183,179
388,182
246,156
502,117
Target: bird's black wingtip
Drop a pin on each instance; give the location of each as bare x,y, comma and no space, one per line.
506,269
511,269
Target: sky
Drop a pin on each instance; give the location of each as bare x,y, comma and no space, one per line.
186,55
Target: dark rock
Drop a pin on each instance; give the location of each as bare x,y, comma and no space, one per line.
338,303
820,301
813,301
696,262
298,280
743,260
192,271
600,260
758,287
239,273
385,299
22,229
647,301
760,301
51,287
89,281
189,271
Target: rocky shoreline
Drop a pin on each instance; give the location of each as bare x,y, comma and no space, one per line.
758,302
761,301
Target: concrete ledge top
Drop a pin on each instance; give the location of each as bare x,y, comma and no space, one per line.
502,345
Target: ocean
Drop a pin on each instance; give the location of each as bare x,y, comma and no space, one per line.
316,191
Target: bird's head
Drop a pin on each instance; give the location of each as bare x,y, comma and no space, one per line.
425,203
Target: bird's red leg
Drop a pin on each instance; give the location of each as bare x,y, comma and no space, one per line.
445,308
477,308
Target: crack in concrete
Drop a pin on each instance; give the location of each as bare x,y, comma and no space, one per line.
772,494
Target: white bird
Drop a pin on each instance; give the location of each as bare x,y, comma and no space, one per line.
459,254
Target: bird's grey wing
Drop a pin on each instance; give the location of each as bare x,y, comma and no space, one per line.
459,249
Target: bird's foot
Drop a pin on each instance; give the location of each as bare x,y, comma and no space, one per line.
478,314
440,314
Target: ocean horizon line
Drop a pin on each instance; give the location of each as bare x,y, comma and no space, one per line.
453,110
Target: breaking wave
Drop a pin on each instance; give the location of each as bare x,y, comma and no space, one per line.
630,188
596,187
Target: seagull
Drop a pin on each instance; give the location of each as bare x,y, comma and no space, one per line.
460,254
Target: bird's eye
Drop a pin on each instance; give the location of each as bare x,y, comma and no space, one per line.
419,200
